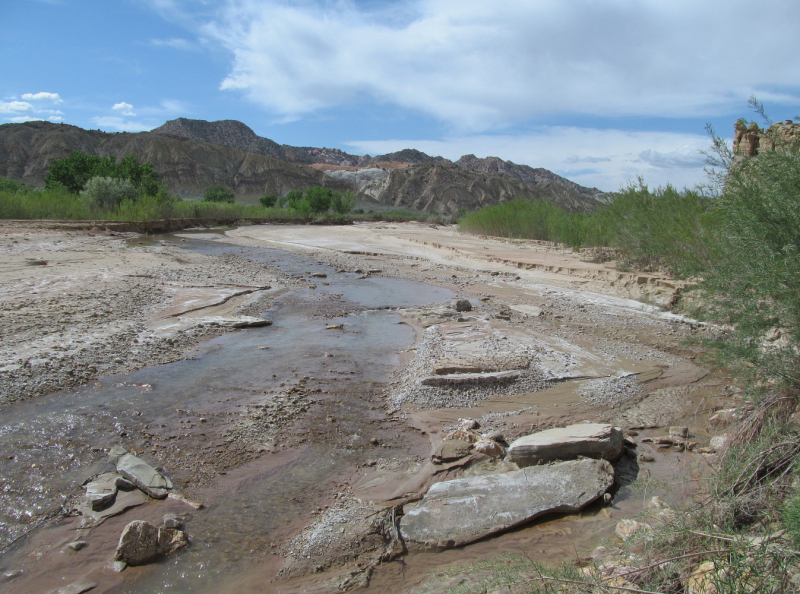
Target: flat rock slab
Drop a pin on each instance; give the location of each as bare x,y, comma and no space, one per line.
102,491
144,476
123,502
452,449
593,440
458,379
528,310
232,322
458,512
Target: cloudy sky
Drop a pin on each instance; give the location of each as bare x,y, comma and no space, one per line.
600,91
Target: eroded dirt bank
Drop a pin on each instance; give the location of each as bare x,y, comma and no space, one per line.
300,457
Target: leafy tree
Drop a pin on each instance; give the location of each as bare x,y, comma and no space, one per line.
219,194
343,202
319,199
75,170
292,198
108,192
269,200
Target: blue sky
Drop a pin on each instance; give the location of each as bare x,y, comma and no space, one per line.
600,91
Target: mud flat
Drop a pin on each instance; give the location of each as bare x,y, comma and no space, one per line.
295,448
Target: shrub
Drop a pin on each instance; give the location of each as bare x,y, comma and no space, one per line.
269,200
219,194
9,185
107,193
292,198
343,202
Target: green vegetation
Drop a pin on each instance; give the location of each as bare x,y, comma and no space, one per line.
74,172
219,194
739,240
269,200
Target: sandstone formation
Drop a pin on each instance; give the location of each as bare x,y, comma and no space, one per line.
750,140
593,440
458,512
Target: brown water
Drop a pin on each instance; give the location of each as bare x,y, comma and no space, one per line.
50,445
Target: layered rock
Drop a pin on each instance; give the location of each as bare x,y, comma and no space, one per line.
458,512
592,440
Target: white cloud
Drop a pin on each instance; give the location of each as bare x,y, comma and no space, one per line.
607,159
56,119
121,124
175,43
53,97
23,119
122,105
15,107
478,64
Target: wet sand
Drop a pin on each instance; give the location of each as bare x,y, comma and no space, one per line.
280,447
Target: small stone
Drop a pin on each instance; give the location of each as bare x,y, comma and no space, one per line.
627,528
495,436
681,432
374,441
718,442
646,458
142,543
490,448
77,545
173,521
116,453
461,305
119,566
470,424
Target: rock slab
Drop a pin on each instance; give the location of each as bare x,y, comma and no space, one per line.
592,440
144,476
458,512
141,542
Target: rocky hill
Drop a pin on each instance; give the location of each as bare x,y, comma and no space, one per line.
190,155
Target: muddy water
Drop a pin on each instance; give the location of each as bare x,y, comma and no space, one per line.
50,445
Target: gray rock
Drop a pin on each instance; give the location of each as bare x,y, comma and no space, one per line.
144,476
593,440
116,453
78,587
458,512
142,543
528,310
77,545
124,484
452,449
459,379
173,521
102,491
461,305
125,500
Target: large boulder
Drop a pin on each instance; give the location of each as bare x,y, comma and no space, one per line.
141,542
458,512
592,440
144,476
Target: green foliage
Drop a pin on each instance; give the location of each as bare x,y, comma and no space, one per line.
343,202
74,171
791,518
219,194
108,192
269,200
318,199
292,198
9,185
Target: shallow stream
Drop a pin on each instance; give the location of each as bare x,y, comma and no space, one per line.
50,445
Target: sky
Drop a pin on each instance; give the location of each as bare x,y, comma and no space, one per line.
599,91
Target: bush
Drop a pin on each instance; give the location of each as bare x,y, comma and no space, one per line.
219,194
343,202
269,200
292,198
319,199
9,185
107,193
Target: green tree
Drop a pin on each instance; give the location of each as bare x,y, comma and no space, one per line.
219,194
292,198
319,199
76,169
343,202
269,200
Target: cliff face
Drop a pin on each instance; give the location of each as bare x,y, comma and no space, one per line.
523,172
446,188
751,140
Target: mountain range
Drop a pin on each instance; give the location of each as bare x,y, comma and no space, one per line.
190,155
